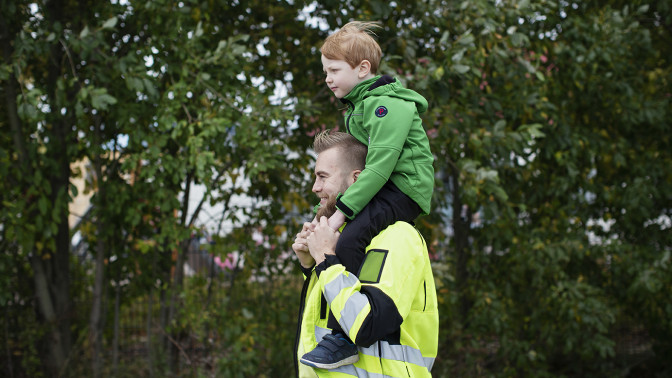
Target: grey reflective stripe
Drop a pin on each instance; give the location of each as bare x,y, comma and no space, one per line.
399,353
429,362
358,372
341,282
350,370
353,306
320,332
387,350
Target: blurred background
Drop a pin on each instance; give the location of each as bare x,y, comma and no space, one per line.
155,161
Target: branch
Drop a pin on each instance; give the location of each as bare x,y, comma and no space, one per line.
174,342
185,200
189,118
72,64
219,95
202,201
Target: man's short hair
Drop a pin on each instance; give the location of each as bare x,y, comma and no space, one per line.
353,151
354,43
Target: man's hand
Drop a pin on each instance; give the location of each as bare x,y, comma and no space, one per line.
300,245
322,241
336,220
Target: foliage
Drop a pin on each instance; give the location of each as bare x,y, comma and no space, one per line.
551,223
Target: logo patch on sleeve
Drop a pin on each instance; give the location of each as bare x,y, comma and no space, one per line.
372,267
381,111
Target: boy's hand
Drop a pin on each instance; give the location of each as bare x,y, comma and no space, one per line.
300,245
336,220
322,241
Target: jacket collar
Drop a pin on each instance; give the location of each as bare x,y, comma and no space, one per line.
360,90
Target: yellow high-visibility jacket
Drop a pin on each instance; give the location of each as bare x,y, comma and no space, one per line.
388,309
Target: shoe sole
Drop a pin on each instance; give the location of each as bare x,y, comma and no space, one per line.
346,361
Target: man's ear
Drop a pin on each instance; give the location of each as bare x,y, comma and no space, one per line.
355,175
364,68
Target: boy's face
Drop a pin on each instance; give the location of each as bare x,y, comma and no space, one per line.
341,78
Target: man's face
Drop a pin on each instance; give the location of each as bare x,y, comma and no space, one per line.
341,78
330,177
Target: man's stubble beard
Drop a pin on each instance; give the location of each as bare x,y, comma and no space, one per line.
328,209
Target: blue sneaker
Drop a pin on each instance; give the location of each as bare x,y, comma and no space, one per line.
332,352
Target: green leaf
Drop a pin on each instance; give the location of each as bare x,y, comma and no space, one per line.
438,73
27,111
151,88
73,190
199,29
100,99
466,39
84,33
42,205
517,39
460,68
110,23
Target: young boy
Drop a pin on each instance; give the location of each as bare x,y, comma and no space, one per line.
398,179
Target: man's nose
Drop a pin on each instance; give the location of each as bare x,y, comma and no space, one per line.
316,187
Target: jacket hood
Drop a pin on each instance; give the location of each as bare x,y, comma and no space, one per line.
384,85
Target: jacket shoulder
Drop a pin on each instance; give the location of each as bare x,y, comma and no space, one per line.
398,234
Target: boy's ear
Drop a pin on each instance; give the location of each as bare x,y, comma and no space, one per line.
364,68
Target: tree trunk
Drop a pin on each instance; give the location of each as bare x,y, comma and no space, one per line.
57,170
148,325
178,279
115,341
461,224
177,287
95,319
55,354
51,273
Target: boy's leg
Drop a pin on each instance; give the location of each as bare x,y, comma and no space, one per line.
388,206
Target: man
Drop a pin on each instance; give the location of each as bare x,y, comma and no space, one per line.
389,307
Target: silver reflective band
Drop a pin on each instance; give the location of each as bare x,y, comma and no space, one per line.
352,308
333,288
358,372
403,353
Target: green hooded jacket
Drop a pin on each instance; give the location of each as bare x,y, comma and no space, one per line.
385,116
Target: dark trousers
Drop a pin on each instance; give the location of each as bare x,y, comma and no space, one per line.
385,208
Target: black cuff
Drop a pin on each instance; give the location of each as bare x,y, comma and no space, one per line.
348,212
306,271
329,260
